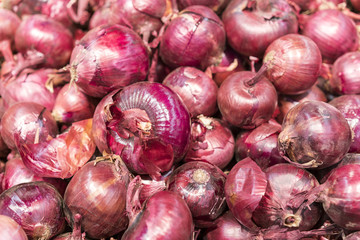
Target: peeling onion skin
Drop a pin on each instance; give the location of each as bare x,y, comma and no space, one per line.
243,105
333,32
98,193
195,38
201,185
250,31
37,207
314,135
165,209
9,229
293,63
196,89
108,57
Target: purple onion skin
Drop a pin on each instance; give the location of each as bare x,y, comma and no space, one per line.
23,118
260,144
165,216
353,236
216,5
195,38
334,33
345,74
196,89
349,106
293,63
108,57
250,31
98,193
9,23
243,105
37,207
46,36
55,10
201,185
314,135
9,229
211,141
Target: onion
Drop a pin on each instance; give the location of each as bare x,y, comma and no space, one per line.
246,99
355,4
9,23
333,32
260,144
72,105
107,58
29,120
37,207
353,236
211,141
55,10
75,234
196,89
98,192
59,157
252,25
314,5
164,216
146,124
30,86
293,63
216,5
81,16
9,229
314,135
345,71
201,185
195,38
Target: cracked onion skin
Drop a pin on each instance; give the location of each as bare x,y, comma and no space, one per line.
314,135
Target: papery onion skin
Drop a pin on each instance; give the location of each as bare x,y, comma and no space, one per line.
314,135
9,229
196,89
46,36
55,10
345,74
216,5
195,38
9,23
201,185
98,193
293,63
211,141
243,105
250,31
333,32
165,209
23,118
37,207
108,57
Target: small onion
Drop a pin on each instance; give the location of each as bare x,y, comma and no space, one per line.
196,89
9,229
37,207
314,135
201,185
9,23
216,5
55,10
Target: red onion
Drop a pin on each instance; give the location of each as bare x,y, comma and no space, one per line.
72,105
9,23
216,5
246,99
29,120
107,58
98,192
196,89
30,86
43,36
55,10
286,102
334,33
37,207
345,74
314,5
75,234
353,236
293,63
260,144
252,25
164,216
146,124
195,38
9,229
355,4
81,15
201,185
211,141
104,15
314,135
59,157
